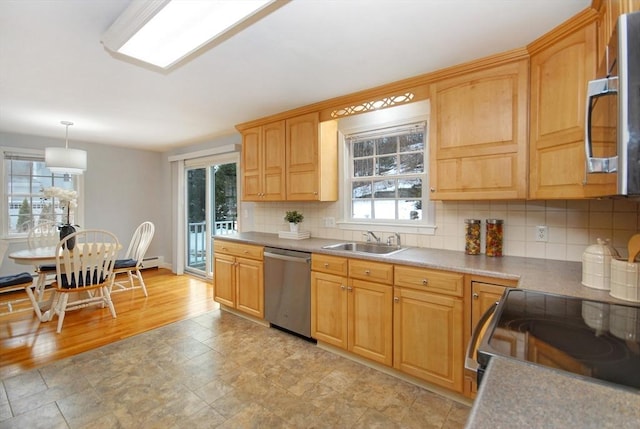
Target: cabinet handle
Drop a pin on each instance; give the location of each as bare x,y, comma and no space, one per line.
367,272
349,289
343,287
425,282
225,249
396,299
475,295
326,265
245,251
432,189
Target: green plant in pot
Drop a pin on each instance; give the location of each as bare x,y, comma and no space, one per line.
294,218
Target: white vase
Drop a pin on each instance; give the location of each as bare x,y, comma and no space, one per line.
294,227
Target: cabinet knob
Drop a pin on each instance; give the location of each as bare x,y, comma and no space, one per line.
367,272
396,299
432,189
343,287
475,295
326,265
349,289
425,282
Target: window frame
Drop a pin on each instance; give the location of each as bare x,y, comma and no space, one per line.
379,120
35,153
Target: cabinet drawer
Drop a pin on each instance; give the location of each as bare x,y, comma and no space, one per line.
378,272
238,249
433,280
329,264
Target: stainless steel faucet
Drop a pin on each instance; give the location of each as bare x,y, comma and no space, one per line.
370,234
397,238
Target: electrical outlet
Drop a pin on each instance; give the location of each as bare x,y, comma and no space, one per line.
542,233
329,222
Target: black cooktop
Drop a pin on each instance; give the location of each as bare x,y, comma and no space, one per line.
593,339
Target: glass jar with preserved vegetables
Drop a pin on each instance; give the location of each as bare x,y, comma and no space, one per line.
472,237
494,237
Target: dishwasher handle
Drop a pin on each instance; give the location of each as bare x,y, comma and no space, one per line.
306,260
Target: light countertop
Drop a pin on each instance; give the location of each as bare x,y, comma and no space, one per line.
516,394
557,277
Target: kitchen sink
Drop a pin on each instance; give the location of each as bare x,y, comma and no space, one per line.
374,248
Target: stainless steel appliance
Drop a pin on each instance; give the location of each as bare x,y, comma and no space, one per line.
613,109
287,290
593,339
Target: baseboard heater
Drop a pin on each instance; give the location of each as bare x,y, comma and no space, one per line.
151,262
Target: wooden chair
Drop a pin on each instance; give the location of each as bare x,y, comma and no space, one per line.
132,262
44,234
12,284
85,270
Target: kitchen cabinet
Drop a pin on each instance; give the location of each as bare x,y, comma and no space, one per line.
263,163
428,324
608,12
478,134
562,63
483,296
239,277
311,159
351,306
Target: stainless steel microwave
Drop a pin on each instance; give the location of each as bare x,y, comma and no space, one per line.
612,126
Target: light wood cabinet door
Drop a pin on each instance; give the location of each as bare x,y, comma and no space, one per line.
238,274
329,309
250,287
428,337
483,296
263,163
560,71
252,164
224,290
370,332
478,134
273,138
311,159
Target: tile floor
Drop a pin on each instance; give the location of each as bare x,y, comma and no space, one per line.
217,370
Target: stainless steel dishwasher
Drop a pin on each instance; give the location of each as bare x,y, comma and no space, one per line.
287,290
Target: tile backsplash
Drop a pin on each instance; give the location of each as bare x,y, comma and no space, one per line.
572,224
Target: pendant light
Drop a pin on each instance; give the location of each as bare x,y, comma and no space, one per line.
64,160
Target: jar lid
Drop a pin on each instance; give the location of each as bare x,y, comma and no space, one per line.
495,221
602,247
472,221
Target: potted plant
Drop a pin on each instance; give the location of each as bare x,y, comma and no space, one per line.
294,218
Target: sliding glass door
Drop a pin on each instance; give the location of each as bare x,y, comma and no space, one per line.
211,209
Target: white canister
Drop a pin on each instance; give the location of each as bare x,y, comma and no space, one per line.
625,280
596,265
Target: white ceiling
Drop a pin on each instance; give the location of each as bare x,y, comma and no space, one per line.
53,67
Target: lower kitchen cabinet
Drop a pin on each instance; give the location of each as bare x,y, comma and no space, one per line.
354,314
239,281
428,337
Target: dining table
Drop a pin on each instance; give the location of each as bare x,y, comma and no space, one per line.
36,257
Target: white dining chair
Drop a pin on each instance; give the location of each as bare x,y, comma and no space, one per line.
13,284
84,271
132,261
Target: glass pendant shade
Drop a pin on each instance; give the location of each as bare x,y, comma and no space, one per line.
63,160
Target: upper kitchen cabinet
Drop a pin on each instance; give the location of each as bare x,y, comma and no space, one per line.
311,158
263,162
608,12
478,134
562,63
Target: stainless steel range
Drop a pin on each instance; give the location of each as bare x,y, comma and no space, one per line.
593,339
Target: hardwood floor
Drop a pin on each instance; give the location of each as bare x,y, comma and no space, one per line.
26,344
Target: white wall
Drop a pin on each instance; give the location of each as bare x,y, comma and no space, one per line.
572,225
122,188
